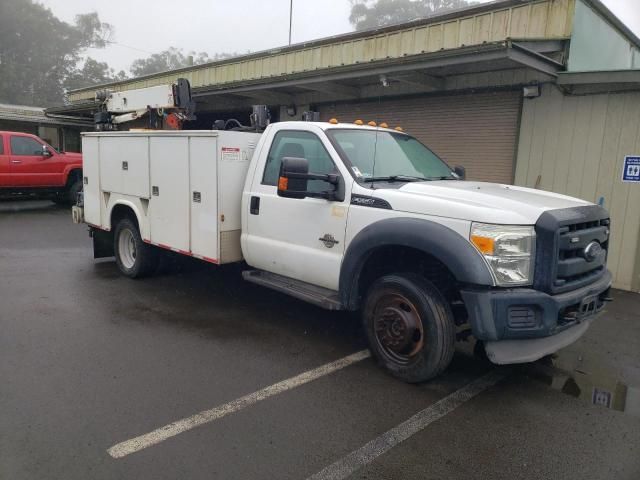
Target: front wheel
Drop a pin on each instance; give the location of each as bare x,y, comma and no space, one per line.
74,190
134,258
69,196
409,326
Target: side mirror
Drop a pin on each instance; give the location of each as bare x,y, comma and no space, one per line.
46,152
294,177
460,171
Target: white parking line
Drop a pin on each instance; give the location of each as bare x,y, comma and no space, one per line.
385,442
163,433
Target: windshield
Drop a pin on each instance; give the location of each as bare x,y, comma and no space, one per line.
378,154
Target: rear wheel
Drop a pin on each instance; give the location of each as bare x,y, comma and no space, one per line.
134,258
409,326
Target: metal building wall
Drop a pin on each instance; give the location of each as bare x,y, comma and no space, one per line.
477,131
576,145
597,45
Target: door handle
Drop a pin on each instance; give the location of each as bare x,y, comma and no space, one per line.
254,206
16,161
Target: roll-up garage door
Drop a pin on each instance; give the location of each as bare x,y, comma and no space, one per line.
477,131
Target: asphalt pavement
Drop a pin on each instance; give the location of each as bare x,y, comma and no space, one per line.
198,374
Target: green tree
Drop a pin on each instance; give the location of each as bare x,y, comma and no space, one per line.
38,51
378,13
92,72
171,59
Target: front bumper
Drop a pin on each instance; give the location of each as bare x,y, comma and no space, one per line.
521,324
505,352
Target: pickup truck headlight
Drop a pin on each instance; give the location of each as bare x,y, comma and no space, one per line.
509,251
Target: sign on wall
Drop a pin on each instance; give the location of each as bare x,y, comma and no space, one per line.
631,169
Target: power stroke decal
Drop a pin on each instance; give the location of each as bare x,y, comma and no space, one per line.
365,201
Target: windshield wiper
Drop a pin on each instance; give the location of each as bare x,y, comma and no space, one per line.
447,177
395,178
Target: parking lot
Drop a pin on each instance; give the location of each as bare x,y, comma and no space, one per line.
194,373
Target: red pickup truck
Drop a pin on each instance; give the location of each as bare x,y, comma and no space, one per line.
29,165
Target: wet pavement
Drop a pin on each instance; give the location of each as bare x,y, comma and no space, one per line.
89,359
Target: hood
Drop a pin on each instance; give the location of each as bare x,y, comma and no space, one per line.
72,156
476,201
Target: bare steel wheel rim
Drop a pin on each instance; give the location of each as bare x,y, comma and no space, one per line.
127,248
398,328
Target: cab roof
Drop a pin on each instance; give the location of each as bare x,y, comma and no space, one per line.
331,126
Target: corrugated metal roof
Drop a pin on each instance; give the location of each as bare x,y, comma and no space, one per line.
24,113
494,22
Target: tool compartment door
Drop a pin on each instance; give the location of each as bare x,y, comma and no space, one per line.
91,180
169,202
124,165
203,196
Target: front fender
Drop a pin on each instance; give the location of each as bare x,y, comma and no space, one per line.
449,247
69,169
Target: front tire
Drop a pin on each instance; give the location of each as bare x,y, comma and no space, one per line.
409,326
72,193
68,196
134,258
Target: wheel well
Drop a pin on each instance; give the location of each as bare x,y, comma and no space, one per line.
398,259
75,174
123,211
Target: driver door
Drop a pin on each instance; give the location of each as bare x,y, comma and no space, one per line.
297,238
29,167
5,165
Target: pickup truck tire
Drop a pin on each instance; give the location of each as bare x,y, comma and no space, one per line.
69,196
134,258
409,326
72,192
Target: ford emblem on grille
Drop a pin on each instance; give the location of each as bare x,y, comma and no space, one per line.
592,251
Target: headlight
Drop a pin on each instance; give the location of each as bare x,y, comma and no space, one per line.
509,250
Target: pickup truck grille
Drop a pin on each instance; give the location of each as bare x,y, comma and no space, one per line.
571,248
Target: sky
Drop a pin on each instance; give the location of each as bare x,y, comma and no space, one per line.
143,27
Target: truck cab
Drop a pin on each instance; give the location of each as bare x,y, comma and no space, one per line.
396,233
361,218
30,165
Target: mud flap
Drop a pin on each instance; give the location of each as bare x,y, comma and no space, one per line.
102,243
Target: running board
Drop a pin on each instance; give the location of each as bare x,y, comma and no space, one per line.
322,297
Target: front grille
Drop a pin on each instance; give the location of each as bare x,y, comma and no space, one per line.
562,264
574,269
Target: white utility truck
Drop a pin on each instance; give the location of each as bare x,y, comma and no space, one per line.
360,218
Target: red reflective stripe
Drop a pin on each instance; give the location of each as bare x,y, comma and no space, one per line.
184,252
99,228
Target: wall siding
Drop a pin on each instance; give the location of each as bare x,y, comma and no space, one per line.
575,145
597,45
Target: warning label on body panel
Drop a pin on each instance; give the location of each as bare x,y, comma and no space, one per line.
231,154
